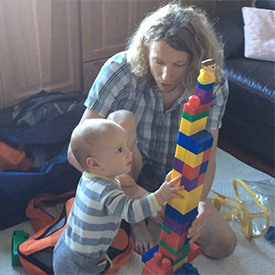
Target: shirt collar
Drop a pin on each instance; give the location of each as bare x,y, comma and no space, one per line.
94,175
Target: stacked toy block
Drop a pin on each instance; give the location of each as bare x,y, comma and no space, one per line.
190,164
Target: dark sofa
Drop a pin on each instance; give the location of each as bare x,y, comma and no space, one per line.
249,116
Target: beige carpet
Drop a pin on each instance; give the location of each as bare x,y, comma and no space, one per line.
250,257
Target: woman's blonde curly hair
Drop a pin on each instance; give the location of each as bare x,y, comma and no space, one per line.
182,28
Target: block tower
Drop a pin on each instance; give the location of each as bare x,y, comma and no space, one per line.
190,164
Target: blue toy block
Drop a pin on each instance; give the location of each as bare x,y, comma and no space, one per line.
206,87
187,268
203,167
181,271
179,217
196,143
270,234
176,221
175,226
190,269
149,254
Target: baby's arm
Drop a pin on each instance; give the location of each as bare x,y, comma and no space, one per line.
167,190
120,205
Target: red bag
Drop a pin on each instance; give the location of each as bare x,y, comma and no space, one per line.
36,252
13,159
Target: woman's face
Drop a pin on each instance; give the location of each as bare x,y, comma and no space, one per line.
167,65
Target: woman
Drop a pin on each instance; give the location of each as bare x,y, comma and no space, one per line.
152,79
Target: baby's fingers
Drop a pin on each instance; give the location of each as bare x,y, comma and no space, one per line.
177,189
173,181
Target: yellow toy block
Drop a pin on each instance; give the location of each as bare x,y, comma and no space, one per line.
191,128
180,153
175,174
188,157
180,264
190,201
193,160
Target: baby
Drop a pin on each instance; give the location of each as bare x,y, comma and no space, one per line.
100,147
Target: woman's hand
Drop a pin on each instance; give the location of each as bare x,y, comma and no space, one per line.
198,224
159,215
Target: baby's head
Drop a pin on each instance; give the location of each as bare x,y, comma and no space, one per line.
100,146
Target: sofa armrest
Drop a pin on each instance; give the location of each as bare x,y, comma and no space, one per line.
230,27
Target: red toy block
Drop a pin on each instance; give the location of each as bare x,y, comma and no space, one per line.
193,106
194,252
190,172
173,239
201,179
160,265
169,254
206,155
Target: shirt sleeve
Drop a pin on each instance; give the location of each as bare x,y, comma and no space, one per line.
111,82
218,104
132,211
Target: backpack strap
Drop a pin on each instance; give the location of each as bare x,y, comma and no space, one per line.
36,253
36,210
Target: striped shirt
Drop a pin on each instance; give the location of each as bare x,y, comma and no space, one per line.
99,206
116,87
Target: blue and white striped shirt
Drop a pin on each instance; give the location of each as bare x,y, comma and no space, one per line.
116,87
99,206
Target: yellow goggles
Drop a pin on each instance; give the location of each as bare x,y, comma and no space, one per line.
240,211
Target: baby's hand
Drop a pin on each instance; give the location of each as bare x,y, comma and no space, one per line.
167,190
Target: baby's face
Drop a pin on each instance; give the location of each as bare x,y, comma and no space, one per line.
115,157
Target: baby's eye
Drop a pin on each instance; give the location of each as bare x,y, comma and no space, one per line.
119,150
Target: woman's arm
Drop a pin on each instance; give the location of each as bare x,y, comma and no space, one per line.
210,173
88,113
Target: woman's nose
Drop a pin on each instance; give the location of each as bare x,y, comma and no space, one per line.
166,74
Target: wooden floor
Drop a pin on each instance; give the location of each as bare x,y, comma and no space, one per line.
246,157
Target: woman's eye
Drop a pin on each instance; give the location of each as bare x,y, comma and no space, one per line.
159,62
180,65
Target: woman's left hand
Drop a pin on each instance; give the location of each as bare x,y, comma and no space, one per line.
198,224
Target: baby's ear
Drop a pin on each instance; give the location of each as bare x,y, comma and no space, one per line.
93,164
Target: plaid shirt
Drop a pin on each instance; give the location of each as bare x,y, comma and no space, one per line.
116,88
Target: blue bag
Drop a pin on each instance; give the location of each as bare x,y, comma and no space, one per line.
48,141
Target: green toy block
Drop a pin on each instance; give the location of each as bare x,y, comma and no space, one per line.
195,117
19,237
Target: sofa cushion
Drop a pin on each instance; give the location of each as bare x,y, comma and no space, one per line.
259,33
250,94
234,39
249,115
256,76
265,4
